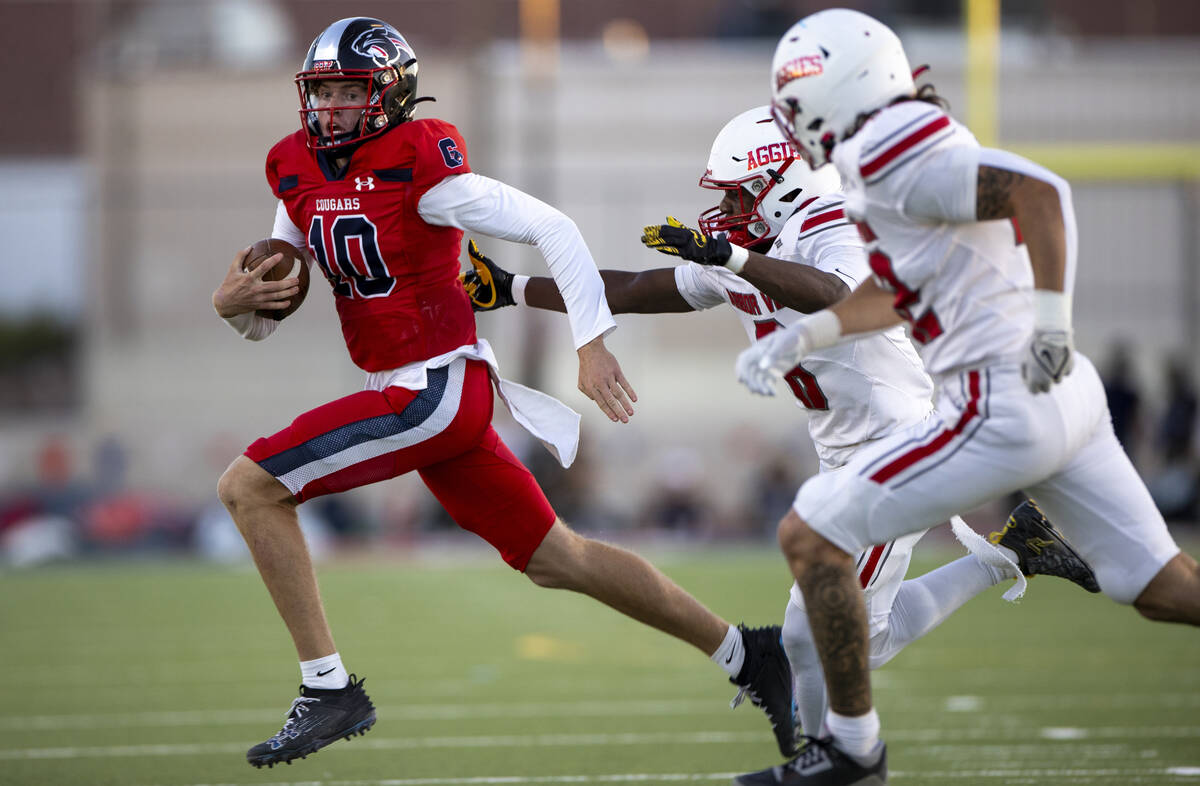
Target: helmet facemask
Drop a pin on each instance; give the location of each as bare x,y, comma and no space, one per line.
748,228
814,144
750,155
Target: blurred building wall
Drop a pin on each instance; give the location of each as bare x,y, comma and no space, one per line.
629,141
173,150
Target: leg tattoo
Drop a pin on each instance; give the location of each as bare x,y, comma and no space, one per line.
839,623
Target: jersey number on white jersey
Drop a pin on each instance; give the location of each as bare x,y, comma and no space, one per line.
802,382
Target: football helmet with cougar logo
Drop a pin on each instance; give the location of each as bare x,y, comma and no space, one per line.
829,68
750,153
358,48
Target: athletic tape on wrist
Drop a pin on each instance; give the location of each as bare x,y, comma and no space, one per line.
823,329
737,258
518,289
1051,310
242,323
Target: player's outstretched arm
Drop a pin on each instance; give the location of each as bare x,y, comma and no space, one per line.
601,380
491,286
867,309
800,287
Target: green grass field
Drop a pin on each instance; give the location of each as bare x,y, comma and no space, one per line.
164,673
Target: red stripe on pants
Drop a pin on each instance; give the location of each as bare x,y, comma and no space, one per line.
864,578
970,412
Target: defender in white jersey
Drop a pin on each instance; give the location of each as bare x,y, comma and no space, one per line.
976,250
855,393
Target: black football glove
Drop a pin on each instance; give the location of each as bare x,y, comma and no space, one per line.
489,286
691,244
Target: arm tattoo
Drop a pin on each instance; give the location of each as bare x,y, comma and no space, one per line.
993,194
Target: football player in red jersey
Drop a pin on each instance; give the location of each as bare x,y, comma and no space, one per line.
380,202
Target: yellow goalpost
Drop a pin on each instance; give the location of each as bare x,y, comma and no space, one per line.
1091,161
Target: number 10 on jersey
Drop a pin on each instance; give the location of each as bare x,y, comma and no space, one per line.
334,251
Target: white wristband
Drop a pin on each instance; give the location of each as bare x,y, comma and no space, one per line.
1051,310
518,289
824,329
241,323
737,258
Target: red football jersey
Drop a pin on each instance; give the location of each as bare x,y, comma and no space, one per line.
394,276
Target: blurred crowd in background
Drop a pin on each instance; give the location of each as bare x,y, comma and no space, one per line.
82,504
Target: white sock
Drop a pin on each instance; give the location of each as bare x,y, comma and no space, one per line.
731,654
808,687
857,736
925,602
326,673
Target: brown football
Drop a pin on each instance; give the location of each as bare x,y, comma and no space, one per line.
293,265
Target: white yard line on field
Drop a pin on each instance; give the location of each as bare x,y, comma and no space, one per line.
941,738
1177,774
409,712
590,708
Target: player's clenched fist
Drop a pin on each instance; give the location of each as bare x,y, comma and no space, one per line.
1051,352
1050,358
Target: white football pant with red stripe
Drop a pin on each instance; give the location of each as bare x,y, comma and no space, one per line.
988,437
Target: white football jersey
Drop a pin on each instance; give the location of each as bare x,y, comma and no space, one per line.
856,391
966,288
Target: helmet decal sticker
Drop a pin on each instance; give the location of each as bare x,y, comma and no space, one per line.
379,45
798,68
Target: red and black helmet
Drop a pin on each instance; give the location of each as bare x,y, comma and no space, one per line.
359,48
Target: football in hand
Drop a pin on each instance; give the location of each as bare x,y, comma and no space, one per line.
293,265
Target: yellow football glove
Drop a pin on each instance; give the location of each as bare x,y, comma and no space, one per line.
489,286
678,240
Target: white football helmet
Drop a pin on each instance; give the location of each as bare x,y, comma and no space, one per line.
751,153
829,68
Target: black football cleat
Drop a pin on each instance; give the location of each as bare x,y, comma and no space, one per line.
820,763
317,718
766,679
1041,550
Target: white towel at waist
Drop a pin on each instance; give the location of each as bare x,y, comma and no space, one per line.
554,423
